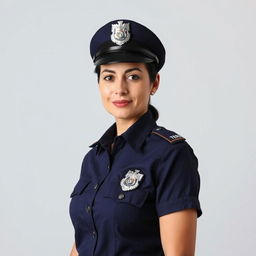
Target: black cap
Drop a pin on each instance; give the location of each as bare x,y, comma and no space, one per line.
126,41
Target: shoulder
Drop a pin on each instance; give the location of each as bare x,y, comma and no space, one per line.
162,134
170,142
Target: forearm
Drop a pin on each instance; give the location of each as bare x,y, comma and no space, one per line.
74,251
178,233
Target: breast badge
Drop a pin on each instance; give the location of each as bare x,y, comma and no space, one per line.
131,180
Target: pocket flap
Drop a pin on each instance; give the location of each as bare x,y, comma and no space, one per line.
79,187
136,197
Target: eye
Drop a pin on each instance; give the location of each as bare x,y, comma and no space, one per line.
108,78
133,77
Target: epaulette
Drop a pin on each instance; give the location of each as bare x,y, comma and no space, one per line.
170,136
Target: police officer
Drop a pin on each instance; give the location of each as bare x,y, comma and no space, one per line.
137,194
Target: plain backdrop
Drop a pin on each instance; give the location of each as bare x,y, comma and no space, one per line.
51,112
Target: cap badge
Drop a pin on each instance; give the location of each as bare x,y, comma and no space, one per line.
120,33
131,180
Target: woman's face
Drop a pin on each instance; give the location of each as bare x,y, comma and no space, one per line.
125,89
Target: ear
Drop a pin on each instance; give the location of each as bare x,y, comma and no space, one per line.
155,85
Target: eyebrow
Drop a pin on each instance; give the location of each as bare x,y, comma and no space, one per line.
126,71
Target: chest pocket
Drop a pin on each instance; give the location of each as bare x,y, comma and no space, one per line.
80,187
135,197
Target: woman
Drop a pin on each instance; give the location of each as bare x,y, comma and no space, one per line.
138,189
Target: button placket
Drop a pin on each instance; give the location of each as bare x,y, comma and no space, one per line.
90,208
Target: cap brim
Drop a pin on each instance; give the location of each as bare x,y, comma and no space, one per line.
121,57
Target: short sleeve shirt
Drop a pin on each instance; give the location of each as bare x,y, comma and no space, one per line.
121,193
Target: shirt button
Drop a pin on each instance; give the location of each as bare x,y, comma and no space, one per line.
94,233
88,208
121,196
96,186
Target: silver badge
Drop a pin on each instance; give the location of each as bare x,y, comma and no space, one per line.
131,180
120,33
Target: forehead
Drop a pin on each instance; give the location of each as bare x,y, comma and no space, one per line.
123,66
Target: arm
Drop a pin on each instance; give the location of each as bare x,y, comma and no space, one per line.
178,232
74,251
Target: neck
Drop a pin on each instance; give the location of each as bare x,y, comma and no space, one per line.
122,125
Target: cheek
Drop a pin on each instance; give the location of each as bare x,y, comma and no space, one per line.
105,97
104,92
143,95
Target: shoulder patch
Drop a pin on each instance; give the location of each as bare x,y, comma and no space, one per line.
170,136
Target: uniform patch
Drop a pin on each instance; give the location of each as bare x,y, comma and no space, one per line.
131,180
170,136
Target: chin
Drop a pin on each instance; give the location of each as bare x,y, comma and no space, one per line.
125,114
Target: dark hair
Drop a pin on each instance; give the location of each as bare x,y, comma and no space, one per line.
152,71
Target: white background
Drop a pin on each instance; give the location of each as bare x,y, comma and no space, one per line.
51,112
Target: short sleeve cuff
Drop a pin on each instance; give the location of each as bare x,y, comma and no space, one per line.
179,205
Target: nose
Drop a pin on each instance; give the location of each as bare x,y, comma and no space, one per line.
120,87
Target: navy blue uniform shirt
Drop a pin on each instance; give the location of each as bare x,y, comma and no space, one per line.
121,193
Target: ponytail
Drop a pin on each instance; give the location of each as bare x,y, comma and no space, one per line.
153,111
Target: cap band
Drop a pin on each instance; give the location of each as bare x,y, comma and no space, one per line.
137,53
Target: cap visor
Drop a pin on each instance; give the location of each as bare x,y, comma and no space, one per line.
121,57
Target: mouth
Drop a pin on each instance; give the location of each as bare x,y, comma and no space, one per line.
121,103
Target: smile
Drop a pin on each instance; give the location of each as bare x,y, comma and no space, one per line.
121,103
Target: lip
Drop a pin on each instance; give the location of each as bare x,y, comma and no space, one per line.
121,103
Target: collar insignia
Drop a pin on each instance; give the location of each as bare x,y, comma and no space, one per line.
120,33
131,180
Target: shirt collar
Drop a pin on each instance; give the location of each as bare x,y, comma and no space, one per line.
106,139
135,135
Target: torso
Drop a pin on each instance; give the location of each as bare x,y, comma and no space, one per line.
118,199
